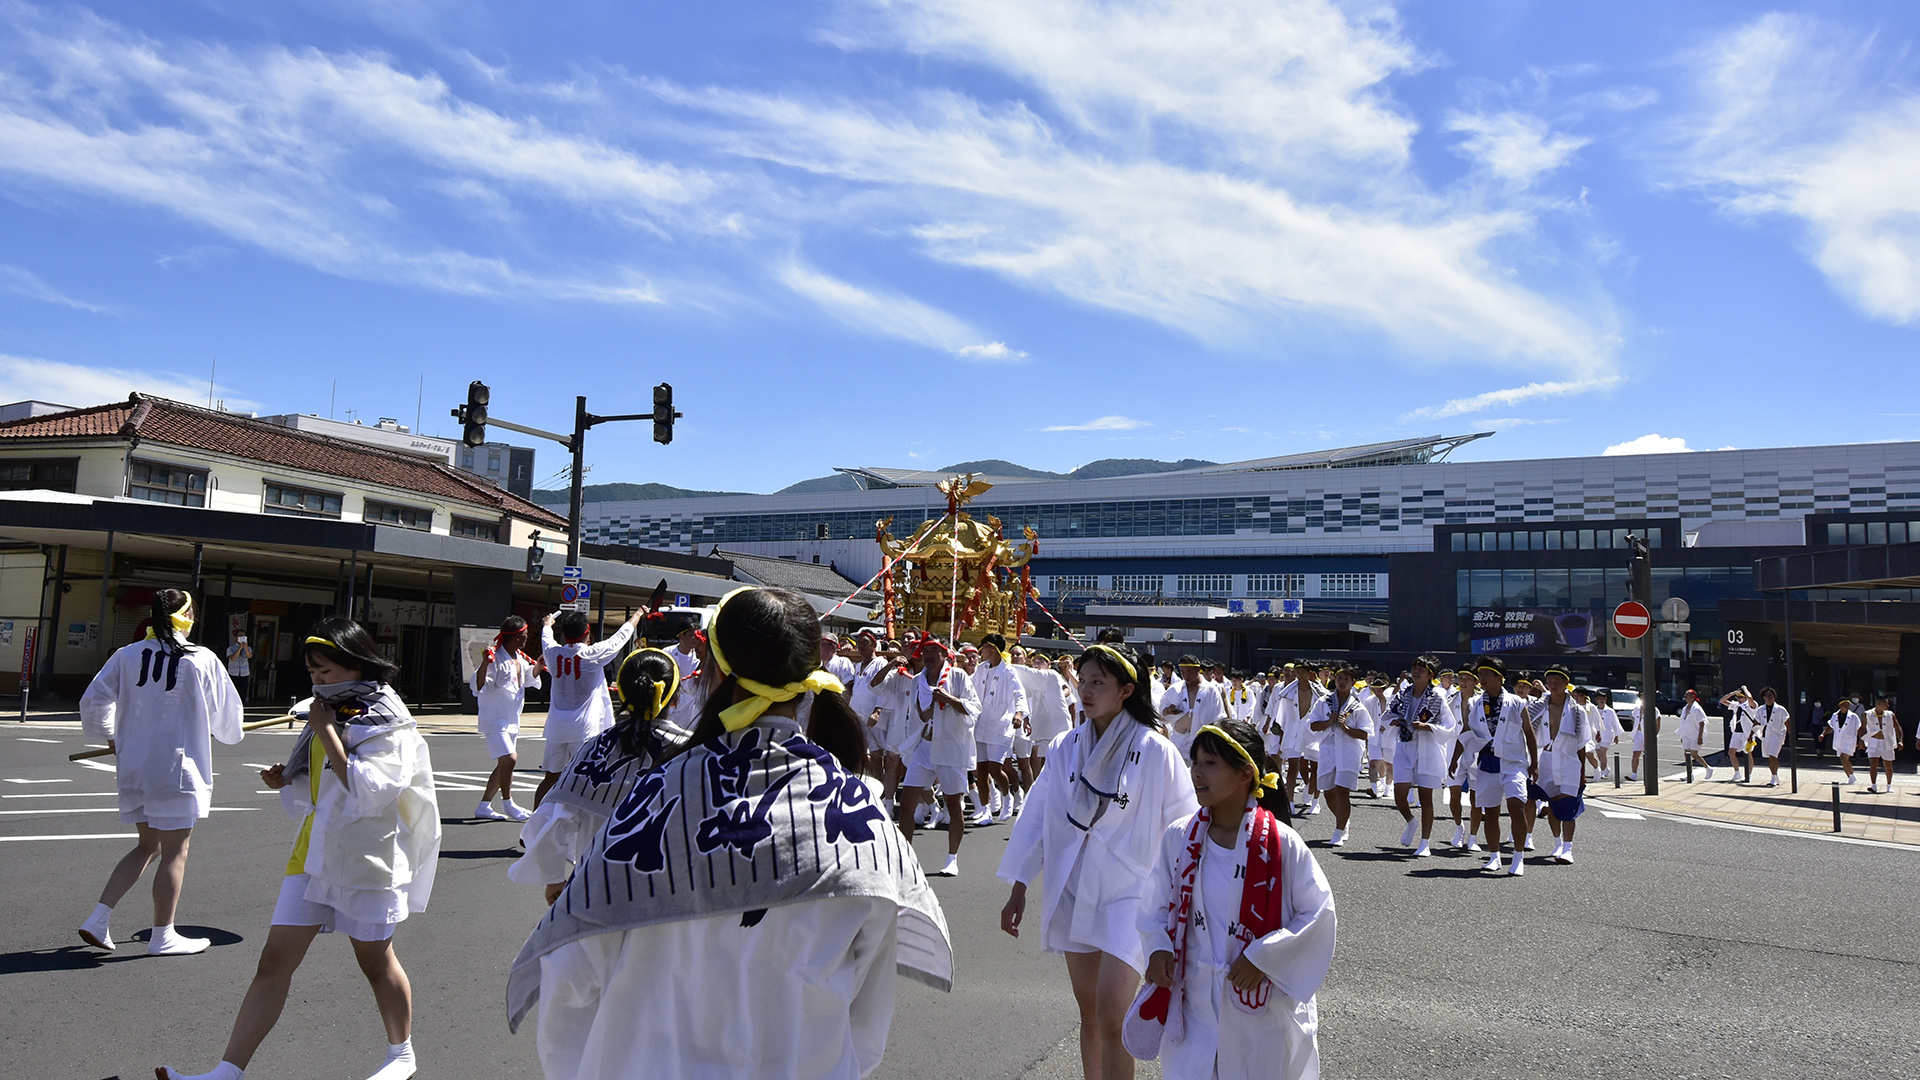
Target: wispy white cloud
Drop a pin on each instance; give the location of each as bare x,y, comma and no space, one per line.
892,315
1104,423
1512,146
1804,122
1502,423
995,351
1503,398
20,281
82,385
1652,444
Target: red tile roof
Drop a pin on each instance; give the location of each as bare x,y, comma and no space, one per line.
159,420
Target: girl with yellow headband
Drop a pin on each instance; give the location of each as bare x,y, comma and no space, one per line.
1090,832
752,879
158,704
602,773
1243,924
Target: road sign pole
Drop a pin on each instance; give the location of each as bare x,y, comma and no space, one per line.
1649,684
579,466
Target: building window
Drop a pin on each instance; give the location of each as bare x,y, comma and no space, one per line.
1139,583
1205,584
407,517
1059,583
1349,585
157,481
39,474
1284,585
300,502
493,461
475,529
466,458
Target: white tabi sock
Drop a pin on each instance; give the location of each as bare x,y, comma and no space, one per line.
95,930
226,1070
399,1064
164,941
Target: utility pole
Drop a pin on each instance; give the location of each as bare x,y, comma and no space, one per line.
1649,678
474,416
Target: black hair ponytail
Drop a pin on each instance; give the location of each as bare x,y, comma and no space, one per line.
644,674
166,604
345,643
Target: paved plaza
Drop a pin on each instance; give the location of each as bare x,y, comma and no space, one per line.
1675,947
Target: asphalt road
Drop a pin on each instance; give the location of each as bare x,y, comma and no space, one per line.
1672,949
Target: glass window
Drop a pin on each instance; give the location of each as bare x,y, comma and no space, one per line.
1553,587
1876,532
1489,541
475,529
1836,533
407,517
1473,541
1620,538
1462,590
1457,542
1616,586
1518,585
1349,585
156,481
1484,589
1589,588
1205,584
1539,541
1139,583
39,474
1506,541
1653,537
1856,533
300,502
1282,585
1553,540
1586,539
1896,532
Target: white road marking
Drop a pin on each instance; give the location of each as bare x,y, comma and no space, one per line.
257,765
96,765
55,742
1623,814
65,795
62,780
110,810
76,836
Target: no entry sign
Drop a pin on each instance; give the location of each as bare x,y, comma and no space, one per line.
1631,619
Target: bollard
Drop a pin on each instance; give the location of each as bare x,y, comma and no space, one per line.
1689,770
1616,770
1836,806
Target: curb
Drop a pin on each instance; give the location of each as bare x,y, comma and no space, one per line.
1718,823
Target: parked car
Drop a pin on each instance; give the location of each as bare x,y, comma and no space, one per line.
1624,702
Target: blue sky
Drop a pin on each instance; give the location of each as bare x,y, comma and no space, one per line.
918,232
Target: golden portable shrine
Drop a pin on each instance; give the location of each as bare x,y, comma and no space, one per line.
956,578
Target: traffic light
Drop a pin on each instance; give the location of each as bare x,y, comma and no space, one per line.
663,414
474,414
536,558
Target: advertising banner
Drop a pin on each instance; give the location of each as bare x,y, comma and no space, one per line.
1537,630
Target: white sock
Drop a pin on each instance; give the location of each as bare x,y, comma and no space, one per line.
101,913
226,1070
399,1064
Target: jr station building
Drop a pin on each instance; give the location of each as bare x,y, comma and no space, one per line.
1385,551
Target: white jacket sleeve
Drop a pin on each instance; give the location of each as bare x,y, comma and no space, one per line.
224,715
1025,855
1298,956
379,774
603,652
99,706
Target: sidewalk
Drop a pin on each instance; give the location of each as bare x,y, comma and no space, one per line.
1891,817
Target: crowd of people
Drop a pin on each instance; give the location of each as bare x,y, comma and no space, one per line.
730,819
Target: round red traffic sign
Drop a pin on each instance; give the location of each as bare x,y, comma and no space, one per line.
1631,619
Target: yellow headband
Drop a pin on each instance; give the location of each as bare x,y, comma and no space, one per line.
321,641
1261,784
182,620
662,692
1112,654
742,713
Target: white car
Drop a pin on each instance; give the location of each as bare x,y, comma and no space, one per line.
1624,704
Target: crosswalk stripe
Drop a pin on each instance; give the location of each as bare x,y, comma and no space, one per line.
75,836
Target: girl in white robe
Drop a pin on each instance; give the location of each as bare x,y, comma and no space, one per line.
500,694
159,703
1091,829
746,908
1242,932
602,773
360,781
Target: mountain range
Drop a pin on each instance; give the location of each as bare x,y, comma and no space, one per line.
1092,470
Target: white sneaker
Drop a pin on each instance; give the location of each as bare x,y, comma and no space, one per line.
1871,789
952,869
1493,864
1709,772
1407,834
486,812
515,812
1459,836
1519,865
1566,853
1851,780
1633,777
940,818
1473,844
1775,782
168,942
984,817
1424,850
1338,839
1529,846
95,931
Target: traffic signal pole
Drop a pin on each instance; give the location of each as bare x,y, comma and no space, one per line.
475,416
1649,677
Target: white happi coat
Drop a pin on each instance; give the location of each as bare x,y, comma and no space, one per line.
953,731
1238,703
162,712
502,692
1693,726
580,707
375,844
1114,859
1772,720
862,696
1435,747
1882,731
1846,732
1563,762
1222,1041
1197,708
1002,697
1339,750
1046,704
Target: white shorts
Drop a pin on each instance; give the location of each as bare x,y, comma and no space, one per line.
1490,790
502,739
163,822
1022,744
952,780
1877,750
1406,757
1849,747
294,909
1770,746
166,812
559,755
992,751
1639,738
1343,778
